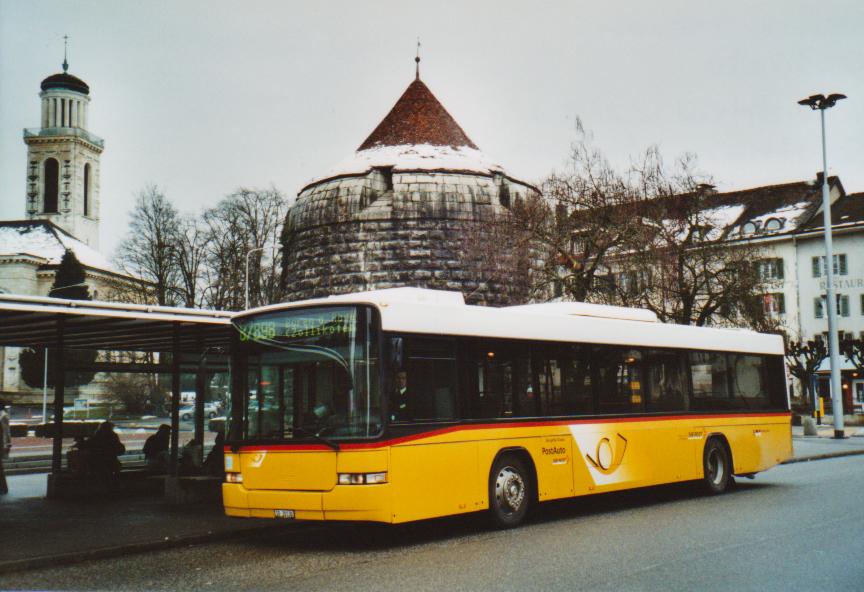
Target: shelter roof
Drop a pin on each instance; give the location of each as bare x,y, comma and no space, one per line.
32,321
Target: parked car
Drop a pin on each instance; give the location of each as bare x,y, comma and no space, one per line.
211,410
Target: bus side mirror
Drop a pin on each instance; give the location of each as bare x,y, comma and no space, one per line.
396,352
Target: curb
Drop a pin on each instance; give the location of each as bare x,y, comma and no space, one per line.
62,559
824,456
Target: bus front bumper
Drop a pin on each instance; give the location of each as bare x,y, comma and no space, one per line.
344,502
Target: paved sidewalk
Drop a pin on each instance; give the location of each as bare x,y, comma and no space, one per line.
824,445
39,532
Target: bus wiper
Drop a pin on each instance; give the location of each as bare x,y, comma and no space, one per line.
317,436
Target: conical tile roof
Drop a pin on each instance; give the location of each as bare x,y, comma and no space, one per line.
418,118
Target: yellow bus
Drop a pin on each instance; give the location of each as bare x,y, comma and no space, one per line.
406,404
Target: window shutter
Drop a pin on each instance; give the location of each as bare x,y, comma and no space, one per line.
781,302
779,268
844,306
843,268
816,270
817,308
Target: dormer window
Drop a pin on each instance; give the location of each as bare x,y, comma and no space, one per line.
749,228
773,225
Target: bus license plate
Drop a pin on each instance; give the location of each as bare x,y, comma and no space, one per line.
288,514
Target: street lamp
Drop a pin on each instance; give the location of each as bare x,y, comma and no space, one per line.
247,272
821,103
45,368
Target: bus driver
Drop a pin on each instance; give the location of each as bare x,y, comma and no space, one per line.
399,401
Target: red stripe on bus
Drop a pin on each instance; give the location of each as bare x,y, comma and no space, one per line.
488,426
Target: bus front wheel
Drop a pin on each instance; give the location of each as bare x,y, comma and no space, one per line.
717,466
509,491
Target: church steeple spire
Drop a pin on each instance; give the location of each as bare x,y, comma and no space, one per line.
417,61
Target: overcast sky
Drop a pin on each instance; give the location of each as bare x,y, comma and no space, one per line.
203,97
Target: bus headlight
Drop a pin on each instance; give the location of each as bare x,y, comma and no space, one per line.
233,477
362,478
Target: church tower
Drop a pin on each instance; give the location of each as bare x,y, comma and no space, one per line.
63,160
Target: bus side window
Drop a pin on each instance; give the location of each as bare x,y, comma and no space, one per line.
617,380
547,380
666,381
487,379
577,392
749,381
709,373
430,368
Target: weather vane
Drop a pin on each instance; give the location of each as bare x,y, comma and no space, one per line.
417,61
65,45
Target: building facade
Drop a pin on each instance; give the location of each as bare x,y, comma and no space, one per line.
795,282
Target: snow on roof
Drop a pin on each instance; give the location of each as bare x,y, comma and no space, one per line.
724,216
42,239
415,157
788,215
418,134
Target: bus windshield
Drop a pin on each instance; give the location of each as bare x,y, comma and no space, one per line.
310,374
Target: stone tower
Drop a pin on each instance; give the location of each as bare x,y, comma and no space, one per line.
396,213
63,160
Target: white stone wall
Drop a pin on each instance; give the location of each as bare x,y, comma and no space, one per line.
72,154
788,286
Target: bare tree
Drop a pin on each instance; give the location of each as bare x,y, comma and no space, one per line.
497,256
853,349
586,213
803,359
675,259
651,236
149,249
190,256
247,221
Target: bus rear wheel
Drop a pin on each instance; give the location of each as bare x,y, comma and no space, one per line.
717,466
509,492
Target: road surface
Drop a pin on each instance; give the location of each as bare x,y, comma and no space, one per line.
796,527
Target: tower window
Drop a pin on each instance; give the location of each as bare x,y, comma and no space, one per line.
52,182
62,112
87,189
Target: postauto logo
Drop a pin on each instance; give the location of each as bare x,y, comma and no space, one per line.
608,454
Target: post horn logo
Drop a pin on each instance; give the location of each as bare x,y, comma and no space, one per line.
608,456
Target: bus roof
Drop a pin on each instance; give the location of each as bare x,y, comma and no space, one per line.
438,312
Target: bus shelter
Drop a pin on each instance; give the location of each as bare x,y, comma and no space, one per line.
195,341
